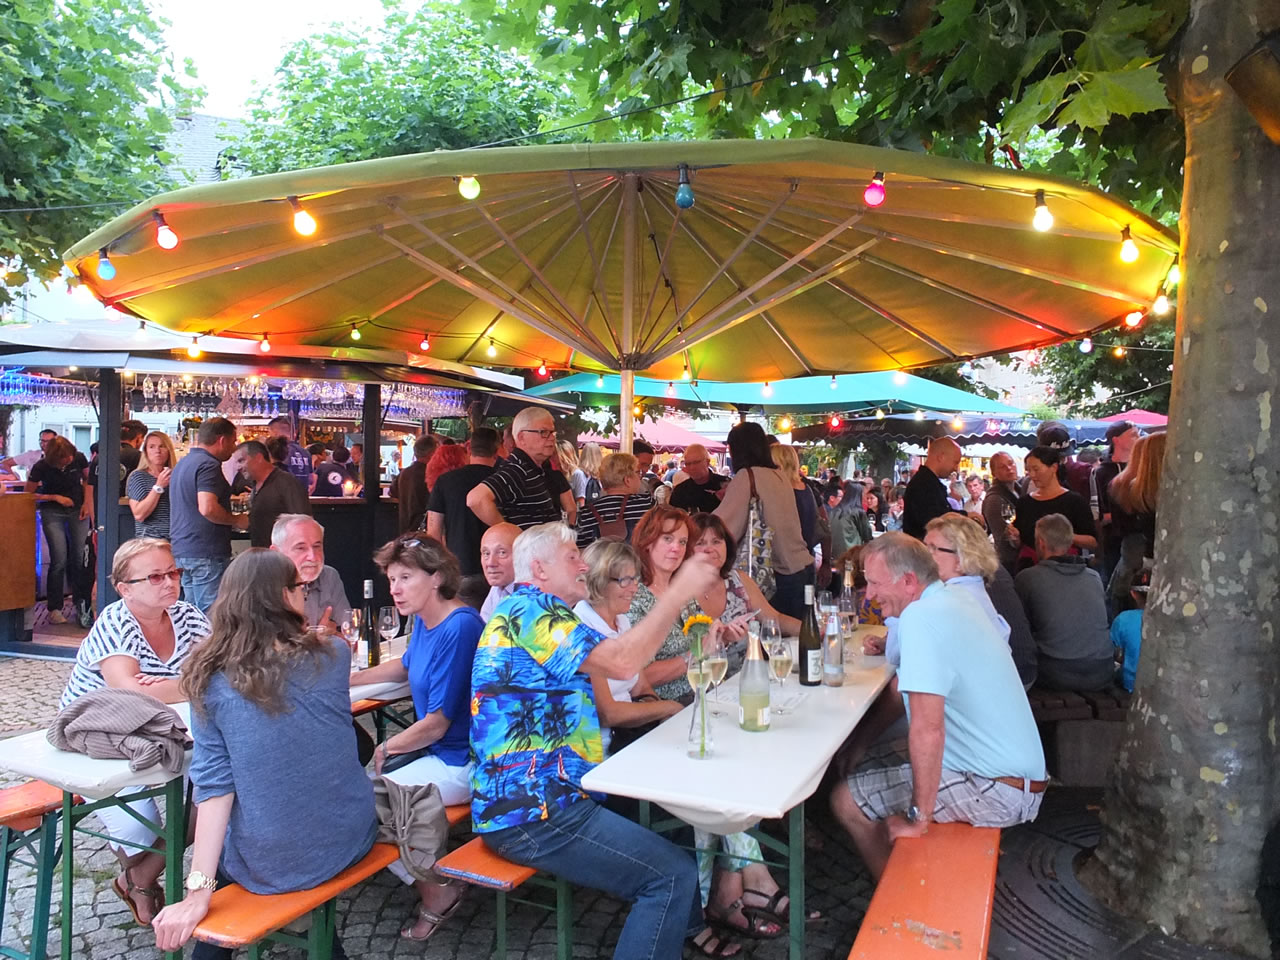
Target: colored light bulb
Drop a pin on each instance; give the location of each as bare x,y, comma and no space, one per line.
1128,249
469,187
264,346
874,194
1086,345
106,269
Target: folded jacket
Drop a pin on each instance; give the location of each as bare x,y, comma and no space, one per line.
110,724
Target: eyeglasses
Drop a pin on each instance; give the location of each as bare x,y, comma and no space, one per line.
156,579
544,434
625,582
934,549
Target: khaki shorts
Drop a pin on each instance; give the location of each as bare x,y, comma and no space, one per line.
964,797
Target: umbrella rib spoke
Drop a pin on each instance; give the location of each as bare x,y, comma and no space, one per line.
596,262
648,320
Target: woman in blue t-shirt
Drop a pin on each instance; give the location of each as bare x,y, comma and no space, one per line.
424,579
274,765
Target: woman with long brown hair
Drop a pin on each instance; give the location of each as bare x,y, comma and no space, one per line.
283,802
1135,492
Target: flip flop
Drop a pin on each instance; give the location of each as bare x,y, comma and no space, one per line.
126,894
772,909
435,919
752,929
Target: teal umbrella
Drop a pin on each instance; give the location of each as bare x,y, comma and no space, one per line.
840,393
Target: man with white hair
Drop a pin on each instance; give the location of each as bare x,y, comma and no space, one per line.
926,495
522,490
301,539
704,489
535,733
974,753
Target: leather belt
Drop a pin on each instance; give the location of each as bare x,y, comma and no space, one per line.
1035,786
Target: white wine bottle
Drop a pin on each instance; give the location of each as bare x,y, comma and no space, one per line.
810,642
753,688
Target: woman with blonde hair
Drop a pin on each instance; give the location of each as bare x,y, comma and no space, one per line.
590,459
1135,492
148,487
283,803
787,461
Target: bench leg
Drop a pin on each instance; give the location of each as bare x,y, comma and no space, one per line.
68,873
564,919
6,840
795,884
175,844
46,864
320,935
500,927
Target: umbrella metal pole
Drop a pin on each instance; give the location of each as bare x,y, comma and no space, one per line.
110,406
371,419
626,399
627,376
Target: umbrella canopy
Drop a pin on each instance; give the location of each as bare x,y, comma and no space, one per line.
662,435
578,255
965,430
1141,418
893,391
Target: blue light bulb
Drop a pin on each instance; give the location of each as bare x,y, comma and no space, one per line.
106,269
684,196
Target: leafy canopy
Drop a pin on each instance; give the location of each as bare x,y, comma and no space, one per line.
959,78
423,80
88,95
1141,378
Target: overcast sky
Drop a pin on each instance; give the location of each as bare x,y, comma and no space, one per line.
236,42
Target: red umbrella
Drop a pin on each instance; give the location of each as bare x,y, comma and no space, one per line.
1141,418
664,437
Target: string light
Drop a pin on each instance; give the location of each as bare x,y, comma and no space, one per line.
106,269
542,368
833,383
355,332
469,187
165,237
684,191
425,343
635,411
1161,304
693,383
879,414
874,194
767,389
785,424
919,414
1175,274
834,421
685,373
303,222
1086,345
194,351
130,374
1042,220
600,381
141,332
1128,249
491,351
264,345
671,389
900,378
1133,319
957,423
73,368
1119,351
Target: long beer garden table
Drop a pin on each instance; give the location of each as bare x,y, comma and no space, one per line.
98,783
751,777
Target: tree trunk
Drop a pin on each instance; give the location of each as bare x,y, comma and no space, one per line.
1196,783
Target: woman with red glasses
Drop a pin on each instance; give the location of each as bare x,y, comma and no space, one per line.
139,643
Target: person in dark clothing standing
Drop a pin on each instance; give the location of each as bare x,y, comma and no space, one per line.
999,506
58,481
411,485
274,492
926,496
296,460
451,521
703,490
1121,436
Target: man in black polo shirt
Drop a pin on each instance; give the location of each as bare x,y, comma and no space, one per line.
275,491
702,492
926,497
520,490
449,520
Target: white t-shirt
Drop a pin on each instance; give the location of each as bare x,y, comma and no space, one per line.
620,690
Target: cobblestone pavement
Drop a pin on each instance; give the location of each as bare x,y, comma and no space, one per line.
371,916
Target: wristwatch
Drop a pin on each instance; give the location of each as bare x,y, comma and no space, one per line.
198,881
911,816
157,489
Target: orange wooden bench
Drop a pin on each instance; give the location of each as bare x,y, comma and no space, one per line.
475,863
934,898
29,822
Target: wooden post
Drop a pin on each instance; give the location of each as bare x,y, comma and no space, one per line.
107,507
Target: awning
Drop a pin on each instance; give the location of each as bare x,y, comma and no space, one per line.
662,435
1017,431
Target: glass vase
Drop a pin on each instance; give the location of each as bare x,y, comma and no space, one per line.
700,741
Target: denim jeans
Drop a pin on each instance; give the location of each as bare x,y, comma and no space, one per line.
65,534
788,593
201,577
593,847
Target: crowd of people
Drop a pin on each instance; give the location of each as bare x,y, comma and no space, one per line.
546,591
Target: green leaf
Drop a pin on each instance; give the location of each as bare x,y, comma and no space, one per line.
1119,93
1037,105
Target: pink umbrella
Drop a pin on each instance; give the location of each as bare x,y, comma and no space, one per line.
1141,418
664,437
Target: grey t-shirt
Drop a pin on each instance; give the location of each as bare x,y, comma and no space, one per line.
190,533
303,806
1066,608
326,591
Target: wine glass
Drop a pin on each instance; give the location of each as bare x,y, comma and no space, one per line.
388,623
351,633
716,662
780,660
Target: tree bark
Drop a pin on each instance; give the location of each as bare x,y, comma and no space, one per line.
1196,783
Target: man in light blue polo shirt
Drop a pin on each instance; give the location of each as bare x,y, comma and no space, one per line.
975,755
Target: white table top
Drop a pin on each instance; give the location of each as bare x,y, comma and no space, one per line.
749,776
32,755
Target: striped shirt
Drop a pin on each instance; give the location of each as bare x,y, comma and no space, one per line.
637,506
117,633
522,492
137,487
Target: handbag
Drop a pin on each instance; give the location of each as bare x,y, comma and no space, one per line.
755,552
413,818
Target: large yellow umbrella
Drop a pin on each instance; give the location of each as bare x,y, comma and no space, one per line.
579,256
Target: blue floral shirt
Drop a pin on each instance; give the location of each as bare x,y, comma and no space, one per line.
534,726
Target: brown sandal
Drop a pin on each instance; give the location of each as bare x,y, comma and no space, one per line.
126,893
435,919
756,927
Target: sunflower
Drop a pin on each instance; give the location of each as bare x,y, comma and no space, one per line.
698,619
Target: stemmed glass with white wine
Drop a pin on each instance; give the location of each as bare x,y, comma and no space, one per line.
716,662
388,623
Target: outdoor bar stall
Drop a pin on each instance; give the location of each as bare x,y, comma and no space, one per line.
378,395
